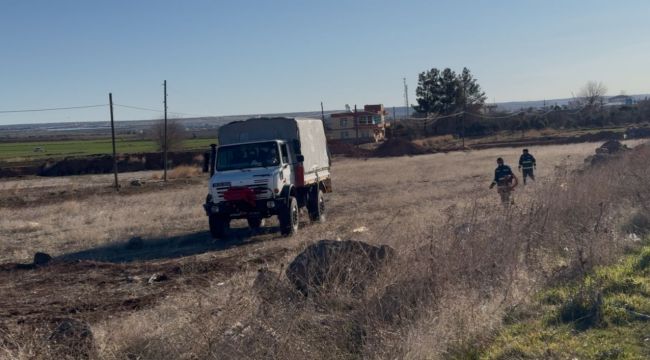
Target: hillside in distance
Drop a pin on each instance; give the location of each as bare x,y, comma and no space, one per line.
207,125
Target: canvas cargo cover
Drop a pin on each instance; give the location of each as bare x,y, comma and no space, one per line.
309,133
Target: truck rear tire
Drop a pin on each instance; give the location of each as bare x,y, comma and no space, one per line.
218,226
289,217
255,222
316,206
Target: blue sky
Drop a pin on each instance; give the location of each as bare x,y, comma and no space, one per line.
251,57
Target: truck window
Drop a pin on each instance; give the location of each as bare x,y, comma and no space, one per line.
285,153
246,156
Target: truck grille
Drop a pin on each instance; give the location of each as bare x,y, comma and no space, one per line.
259,186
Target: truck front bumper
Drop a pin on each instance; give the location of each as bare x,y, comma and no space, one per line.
241,210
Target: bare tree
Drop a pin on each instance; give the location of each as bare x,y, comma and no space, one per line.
175,134
592,93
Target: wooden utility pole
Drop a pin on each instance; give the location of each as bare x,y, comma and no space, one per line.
406,99
165,133
110,102
322,113
394,122
464,112
356,125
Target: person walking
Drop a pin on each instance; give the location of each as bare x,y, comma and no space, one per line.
505,181
527,164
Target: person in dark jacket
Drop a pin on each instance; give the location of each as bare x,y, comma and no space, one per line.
505,180
526,165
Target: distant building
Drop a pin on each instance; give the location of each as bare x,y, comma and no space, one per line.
490,109
364,126
620,100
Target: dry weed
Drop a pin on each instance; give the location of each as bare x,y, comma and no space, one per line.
463,260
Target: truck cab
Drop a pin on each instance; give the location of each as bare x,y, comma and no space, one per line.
255,180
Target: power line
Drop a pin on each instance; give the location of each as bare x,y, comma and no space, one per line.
569,112
51,109
158,110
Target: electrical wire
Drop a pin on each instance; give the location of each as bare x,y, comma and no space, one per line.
51,109
158,110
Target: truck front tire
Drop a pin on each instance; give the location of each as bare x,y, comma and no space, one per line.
289,218
218,226
316,205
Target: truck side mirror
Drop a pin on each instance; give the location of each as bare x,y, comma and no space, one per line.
213,158
206,161
300,158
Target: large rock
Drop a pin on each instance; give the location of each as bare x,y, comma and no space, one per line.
349,265
606,152
611,147
41,258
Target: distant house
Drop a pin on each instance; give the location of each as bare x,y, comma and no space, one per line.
490,109
364,126
620,100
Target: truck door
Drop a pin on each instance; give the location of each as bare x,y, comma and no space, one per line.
286,164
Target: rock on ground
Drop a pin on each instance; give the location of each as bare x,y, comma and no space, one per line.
329,263
41,258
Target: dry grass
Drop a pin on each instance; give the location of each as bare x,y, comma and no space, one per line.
180,172
462,261
185,171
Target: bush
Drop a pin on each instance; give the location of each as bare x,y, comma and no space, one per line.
583,309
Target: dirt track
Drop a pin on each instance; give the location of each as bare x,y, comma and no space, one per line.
94,290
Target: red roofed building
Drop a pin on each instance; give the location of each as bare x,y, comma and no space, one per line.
364,126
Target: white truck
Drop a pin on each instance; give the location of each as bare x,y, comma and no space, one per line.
265,167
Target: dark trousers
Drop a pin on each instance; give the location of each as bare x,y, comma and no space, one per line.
527,173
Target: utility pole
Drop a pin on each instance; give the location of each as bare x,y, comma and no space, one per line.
110,102
464,112
322,113
165,133
394,122
356,125
406,98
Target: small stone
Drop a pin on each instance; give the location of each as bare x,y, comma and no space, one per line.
158,277
136,182
41,258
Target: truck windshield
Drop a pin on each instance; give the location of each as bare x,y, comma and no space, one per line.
246,156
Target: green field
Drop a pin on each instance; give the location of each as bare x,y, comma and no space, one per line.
604,316
24,151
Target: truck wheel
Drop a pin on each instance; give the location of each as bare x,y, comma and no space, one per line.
316,206
218,226
255,222
289,218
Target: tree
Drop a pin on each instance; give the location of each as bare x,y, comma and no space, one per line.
445,92
175,134
472,96
591,95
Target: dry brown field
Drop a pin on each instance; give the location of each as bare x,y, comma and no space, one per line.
402,202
